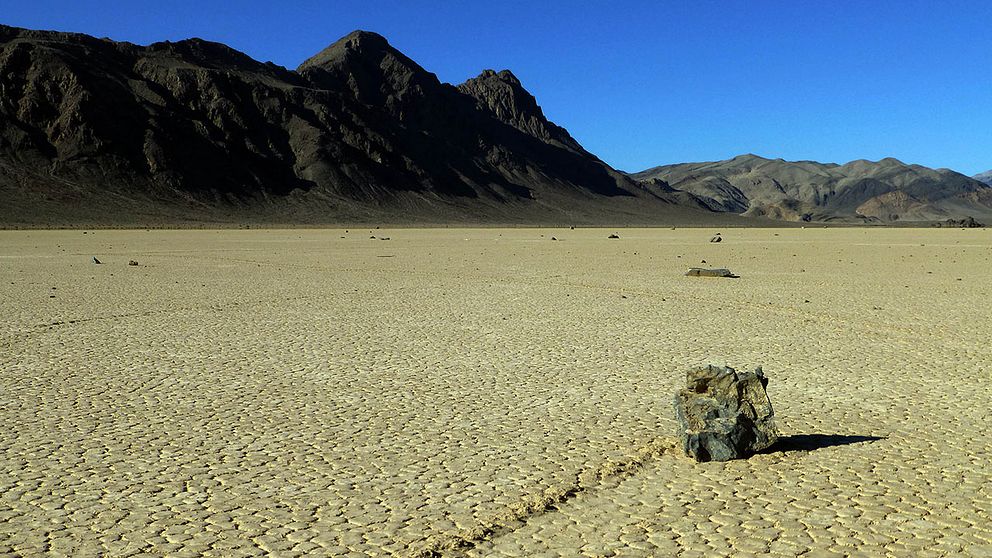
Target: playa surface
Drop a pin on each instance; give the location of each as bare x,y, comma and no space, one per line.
489,392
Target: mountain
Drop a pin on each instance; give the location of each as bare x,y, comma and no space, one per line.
887,190
985,177
105,132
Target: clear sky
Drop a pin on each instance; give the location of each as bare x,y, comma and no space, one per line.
643,83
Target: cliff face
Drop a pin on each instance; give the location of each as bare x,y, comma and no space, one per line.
81,110
503,95
886,190
96,130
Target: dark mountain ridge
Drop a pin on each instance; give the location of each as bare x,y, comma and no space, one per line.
859,191
97,131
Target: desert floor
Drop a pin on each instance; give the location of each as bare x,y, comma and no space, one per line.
489,392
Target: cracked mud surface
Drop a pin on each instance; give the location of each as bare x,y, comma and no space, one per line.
292,393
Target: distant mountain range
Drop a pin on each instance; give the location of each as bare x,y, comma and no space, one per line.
985,177
883,191
94,131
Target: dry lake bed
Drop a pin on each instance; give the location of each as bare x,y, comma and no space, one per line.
489,392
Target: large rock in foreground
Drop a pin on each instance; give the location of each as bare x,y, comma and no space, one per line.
724,414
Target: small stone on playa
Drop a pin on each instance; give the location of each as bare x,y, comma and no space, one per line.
703,272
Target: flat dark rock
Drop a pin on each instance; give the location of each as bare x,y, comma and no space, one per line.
704,272
966,223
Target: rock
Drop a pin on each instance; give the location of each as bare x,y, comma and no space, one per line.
132,262
724,414
966,223
703,272
613,236
716,238
96,261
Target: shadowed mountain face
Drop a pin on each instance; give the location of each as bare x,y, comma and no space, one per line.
98,131
887,190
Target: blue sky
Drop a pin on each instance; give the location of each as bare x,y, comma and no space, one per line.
643,83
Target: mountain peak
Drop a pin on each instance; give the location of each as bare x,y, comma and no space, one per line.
506,76
205,53
881,163
984,177
749,157
502,94
357,44
361,41
360,36
358,41
375,72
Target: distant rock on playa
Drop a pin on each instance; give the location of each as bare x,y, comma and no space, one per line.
966,223
703,272
724,414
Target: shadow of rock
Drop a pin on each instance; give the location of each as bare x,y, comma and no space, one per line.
811,442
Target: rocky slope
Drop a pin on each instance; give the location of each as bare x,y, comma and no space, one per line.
97,131
886,191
